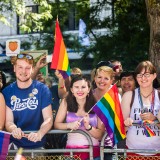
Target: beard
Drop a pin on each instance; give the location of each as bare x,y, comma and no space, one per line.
23,80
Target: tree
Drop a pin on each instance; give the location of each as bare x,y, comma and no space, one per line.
18,6
153,12
128,30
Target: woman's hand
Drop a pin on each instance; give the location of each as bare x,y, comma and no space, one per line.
128,122
86,120
148,116
73,125
58,74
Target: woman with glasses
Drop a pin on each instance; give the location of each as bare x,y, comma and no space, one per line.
145,107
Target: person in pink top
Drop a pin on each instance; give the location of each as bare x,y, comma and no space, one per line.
73,114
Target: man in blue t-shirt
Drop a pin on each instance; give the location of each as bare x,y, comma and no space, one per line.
28,104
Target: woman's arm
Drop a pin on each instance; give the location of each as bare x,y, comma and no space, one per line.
62,92
2,112
61,116
126,108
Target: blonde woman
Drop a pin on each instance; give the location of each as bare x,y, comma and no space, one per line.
103,77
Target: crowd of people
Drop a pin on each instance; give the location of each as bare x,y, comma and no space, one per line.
32,103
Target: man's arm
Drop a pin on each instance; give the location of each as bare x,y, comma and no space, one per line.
48,120
45,127
10,126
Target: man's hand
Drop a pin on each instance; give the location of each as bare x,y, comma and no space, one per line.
34,137
17,133
41,62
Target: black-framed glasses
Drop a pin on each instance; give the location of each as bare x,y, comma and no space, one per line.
21,56
146,75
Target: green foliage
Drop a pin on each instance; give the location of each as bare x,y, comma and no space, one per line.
128,37
127,31
29,19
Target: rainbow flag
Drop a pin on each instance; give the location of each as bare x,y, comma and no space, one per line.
4,143
108,109
60,59
148,131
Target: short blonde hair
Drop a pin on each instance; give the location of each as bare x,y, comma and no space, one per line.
105,69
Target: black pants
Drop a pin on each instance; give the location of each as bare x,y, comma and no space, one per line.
108,156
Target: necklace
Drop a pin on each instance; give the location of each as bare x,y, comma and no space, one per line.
152,102
147,95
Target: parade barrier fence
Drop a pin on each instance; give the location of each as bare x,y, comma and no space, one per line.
33,152
121,154
118,154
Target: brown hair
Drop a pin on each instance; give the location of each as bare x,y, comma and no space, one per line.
147,66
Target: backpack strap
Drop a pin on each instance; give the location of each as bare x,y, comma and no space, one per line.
133,95
158,93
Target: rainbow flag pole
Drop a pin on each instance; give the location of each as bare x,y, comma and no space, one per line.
60,59
108,109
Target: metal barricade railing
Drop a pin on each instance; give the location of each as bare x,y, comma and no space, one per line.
71,151
121,154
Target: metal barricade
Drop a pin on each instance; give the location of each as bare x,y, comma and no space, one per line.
121,154
61,157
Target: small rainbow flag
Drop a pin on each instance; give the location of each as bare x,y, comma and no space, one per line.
4,143
148,131
108,109
60,59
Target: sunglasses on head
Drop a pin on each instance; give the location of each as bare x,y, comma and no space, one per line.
21,56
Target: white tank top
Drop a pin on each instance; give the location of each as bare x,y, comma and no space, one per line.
136,138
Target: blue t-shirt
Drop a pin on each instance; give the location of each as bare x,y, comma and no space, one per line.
27,105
